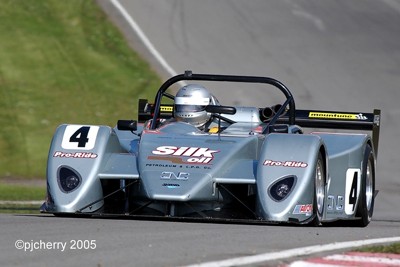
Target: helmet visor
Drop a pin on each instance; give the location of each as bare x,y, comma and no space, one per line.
189,108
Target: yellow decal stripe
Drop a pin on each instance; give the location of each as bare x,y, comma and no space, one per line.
166,109
338,116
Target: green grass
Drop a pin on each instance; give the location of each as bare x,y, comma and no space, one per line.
61,62
21,192
20,209
12,192
392,248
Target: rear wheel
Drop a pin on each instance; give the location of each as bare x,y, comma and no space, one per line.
366,203
319,190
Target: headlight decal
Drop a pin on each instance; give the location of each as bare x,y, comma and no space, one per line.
282,188
68,179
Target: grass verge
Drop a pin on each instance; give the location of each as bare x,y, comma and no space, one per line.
16,193
391,248
61,62
21,193
19,208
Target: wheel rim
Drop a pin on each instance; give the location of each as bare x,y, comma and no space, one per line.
319,187
369,187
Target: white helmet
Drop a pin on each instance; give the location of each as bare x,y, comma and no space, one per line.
190,104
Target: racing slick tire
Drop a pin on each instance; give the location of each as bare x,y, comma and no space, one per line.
366,203
319,190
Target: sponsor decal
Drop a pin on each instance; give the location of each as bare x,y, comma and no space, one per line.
377,120
337,116
161,165
166,109
76,155
182,176
303,209
335,203
171,185
176,160
184,155
290,163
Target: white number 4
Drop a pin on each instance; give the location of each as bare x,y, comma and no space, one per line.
353,184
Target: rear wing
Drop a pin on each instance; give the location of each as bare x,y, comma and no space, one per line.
340,120
305,118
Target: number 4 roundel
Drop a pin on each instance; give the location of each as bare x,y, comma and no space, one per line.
79,137
353,185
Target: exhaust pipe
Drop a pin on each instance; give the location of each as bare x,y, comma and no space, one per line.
276,108
267,113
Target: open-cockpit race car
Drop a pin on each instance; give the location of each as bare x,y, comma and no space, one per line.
256,164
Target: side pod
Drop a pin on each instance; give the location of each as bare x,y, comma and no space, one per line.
286,176
76,155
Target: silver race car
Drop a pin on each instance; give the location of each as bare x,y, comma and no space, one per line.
256,164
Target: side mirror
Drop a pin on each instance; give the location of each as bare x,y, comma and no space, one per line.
127,125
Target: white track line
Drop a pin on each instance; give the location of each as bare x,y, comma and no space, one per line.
295,252
135,27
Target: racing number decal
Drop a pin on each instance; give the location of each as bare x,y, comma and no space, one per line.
352,190
79,137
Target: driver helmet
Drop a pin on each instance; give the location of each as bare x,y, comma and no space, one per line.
190,105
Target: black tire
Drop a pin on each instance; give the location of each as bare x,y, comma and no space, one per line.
319,190
366,203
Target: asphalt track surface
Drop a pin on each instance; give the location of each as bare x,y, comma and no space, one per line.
333,55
